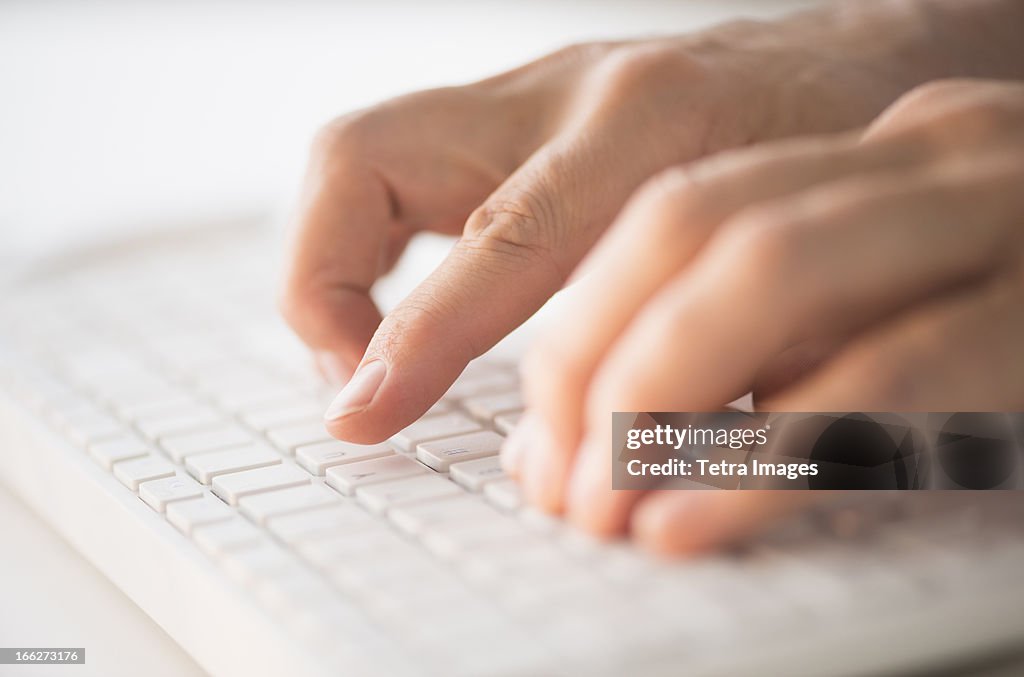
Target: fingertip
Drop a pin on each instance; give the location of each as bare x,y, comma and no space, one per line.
591,502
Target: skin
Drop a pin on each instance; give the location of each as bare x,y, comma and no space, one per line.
532,166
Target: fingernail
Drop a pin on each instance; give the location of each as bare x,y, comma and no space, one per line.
512,451
586,477
358,392
333,368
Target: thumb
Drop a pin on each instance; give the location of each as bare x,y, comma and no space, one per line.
517,249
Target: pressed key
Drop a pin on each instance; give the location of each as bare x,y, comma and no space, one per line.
487,407
189,514
232,534
109,452
158,493
348,477
505,423
289,437
473,475
234,486
318,522
261,507
207,465
442,453
434,427
180,446
317,458
137,470
504,493
378,498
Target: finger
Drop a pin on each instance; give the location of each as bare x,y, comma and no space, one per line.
517,251
659,231
960,353
339,247
688,522
822,262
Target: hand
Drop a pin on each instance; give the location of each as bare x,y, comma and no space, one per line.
530,167
891,264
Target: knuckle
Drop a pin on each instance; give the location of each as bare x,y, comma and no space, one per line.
514,231
761,244
639,68
343,137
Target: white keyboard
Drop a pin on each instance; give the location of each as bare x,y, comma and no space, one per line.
154,410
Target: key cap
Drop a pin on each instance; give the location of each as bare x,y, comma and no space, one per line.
223,537
188,514
137,470
261,507
158,493
473,475
348,477
504,493
379,497
265,560
487,407
88,427
180,446
234,486
109,452
207,465
442,453
415,518
178,421
317,458
333,519
432,428
473,384
505,423
378,545
277,415
288,438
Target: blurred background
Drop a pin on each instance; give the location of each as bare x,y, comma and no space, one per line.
123,116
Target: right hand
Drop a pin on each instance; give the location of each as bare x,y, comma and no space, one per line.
530,167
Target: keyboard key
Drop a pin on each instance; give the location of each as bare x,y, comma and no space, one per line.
261,507
109,452
504,493
318,522
433,428
207,465
268,416
473,475
472,385
88,427
505,423
464,509
487,407
442,453
158,493
223,537
178,421
189,514
134,471
350,476
234,486
289,437
266,560
316,458
379,497
180,446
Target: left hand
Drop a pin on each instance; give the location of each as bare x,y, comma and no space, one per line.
882,271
